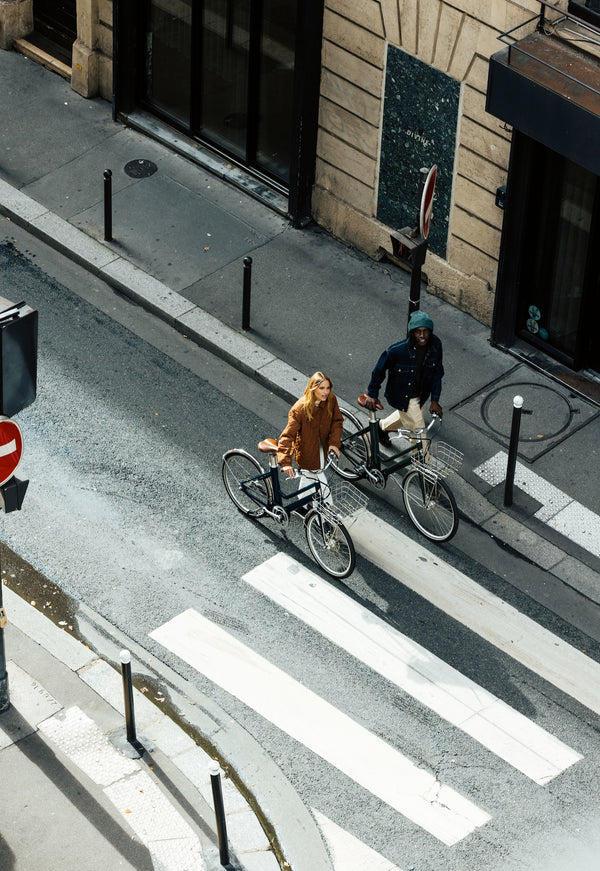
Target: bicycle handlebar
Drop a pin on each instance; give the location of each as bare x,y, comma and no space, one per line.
434,424
331,456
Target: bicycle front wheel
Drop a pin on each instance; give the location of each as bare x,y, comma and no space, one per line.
355,452
330,545
240,475
431,506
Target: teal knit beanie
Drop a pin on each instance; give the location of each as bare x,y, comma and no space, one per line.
420,319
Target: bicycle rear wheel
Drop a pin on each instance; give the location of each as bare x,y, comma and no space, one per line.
330,545
238,470
355,449
431,506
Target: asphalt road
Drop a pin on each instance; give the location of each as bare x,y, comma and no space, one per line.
126,512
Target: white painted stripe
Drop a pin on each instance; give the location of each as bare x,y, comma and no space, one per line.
558,510
8,448
347,852
412,668
321,727
481,611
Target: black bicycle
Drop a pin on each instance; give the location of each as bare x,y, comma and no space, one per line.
418,468
257,492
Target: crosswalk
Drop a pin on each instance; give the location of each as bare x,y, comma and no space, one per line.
391,776
318,725
413,669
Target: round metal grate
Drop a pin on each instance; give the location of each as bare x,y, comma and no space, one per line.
140,168
552,412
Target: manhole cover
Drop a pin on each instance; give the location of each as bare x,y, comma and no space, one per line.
557,413
551,413
140,168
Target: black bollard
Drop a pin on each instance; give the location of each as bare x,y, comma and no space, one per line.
217,792
512,450
107,205
125,658
246,293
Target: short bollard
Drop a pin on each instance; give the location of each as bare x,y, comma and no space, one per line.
247,289
512,450
125,658
107,205
217,792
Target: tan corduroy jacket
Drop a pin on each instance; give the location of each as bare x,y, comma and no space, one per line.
302,437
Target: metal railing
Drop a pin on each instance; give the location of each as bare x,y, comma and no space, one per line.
549,26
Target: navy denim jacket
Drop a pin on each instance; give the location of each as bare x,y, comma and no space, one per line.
399,361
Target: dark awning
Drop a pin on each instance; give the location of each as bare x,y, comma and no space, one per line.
550,92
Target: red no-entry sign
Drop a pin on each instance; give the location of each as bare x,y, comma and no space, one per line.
11,448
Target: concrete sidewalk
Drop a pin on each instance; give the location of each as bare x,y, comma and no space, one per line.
74,791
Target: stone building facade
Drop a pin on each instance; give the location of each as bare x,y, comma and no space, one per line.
502,97
456,37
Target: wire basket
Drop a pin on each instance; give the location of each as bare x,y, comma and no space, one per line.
438,460
348,501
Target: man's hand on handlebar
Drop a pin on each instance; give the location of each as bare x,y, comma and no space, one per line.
436,408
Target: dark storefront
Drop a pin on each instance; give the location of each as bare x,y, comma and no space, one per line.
548,290
239,76
55,27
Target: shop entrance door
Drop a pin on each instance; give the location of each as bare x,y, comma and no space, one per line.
223,70
553,270
55,27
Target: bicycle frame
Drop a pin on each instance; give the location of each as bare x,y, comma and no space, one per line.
279,497
256,492
429,502
386,465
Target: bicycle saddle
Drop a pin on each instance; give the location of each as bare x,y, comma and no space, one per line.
362,401
267,446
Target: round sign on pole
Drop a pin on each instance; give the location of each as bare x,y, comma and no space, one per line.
11,448
427,202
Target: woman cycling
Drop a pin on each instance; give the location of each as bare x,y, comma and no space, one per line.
313,429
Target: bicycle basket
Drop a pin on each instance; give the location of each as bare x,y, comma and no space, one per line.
348,501
440,459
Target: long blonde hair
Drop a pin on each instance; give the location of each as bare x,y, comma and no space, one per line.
309,394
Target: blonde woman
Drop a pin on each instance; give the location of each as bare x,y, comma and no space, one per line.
313,429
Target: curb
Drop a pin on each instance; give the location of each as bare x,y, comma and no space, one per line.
267,823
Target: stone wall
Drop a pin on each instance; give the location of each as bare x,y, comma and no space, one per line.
456,37
16,21
91,74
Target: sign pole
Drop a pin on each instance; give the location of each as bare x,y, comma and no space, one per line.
4,697
11,449
426,191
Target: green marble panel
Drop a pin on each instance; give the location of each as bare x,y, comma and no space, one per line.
420,116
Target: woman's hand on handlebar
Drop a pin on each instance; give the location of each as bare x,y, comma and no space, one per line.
332,454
